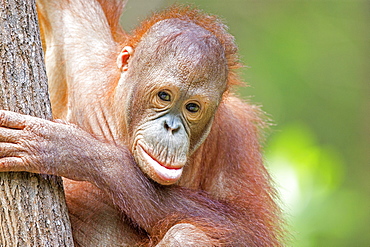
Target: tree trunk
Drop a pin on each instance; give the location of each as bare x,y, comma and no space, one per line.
33,211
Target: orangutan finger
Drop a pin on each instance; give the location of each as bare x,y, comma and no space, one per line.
13,120
9,135
10,150
11,164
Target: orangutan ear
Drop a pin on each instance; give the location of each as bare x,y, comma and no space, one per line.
123,57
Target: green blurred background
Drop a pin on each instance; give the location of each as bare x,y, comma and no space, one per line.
308,66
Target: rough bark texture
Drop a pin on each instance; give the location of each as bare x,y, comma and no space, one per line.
33,210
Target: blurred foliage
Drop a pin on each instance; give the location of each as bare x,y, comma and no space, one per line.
310,178
308,66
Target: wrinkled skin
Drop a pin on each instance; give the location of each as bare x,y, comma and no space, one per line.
176,112
32,144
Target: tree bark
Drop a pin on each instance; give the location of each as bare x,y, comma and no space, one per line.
33,211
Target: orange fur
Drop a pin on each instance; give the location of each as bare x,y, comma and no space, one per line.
113,10
233,151
225,173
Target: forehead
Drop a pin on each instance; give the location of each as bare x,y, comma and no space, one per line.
184,53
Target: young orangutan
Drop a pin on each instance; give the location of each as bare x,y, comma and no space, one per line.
154,147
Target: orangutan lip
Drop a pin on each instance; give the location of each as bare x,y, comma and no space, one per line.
153,158
163,173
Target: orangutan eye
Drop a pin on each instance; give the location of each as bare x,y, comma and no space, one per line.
192,107
164,96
